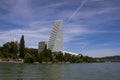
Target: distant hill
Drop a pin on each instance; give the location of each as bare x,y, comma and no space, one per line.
111,58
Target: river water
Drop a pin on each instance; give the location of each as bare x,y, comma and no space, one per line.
86,71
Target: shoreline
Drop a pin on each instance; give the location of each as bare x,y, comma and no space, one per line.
52,63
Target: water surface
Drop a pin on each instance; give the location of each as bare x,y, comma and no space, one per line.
87,71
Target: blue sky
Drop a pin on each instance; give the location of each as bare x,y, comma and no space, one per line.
91,27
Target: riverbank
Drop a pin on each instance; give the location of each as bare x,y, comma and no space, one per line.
5,60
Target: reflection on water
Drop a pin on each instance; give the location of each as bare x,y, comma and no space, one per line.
10,71
95,71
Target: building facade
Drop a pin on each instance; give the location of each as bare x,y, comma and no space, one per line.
55,42
41,46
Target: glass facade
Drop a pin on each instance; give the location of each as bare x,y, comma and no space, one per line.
41,46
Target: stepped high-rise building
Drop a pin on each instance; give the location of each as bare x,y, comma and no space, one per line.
55,42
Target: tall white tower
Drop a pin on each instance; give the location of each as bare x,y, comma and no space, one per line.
55,42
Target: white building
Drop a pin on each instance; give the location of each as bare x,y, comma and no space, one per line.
72,53
55,42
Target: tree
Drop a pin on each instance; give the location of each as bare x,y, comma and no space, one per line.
22,47
59,56
14,47
1,55
48,55
9,50
28,58
31,55
45,55
67,57
41,57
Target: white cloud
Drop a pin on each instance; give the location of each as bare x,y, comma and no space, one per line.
55,5
72,30
96,12
31,36
41,24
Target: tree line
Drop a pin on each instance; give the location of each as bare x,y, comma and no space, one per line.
15,50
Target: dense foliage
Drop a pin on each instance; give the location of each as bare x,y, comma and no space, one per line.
13,50
9,50
30,55
22,47
45,55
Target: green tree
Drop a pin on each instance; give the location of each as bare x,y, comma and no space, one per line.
45,55
14,48
67,57
22,47
1,55
48,55
33,52
28,58
59,56
6,47
9,50
41,57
